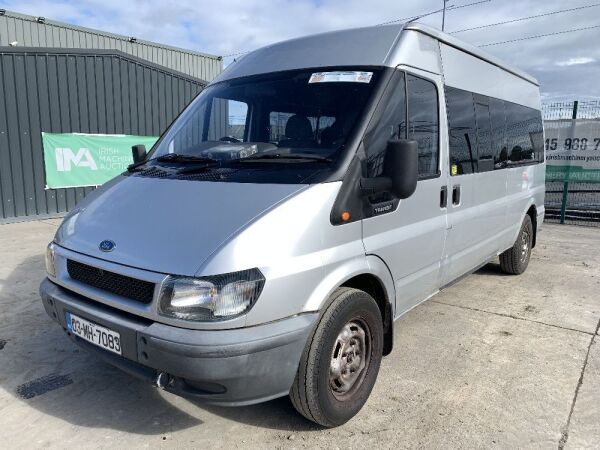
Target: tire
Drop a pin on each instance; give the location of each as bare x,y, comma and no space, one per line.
515,260
331,399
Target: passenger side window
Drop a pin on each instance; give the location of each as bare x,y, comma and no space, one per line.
485,151
423,124
487,133
390,124
461,131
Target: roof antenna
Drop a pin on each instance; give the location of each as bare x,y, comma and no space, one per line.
444,15
434,12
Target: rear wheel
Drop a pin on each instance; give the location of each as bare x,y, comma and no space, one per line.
341,360
515,260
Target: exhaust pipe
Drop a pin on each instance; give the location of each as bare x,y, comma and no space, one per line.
163,379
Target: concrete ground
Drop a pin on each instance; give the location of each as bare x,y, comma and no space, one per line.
494,361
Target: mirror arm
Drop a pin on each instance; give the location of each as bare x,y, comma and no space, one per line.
372,186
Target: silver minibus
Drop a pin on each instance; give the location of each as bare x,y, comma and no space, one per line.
308,197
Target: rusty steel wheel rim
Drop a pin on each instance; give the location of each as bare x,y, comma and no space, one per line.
350,358
525,245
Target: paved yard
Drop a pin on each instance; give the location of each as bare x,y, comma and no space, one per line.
494,361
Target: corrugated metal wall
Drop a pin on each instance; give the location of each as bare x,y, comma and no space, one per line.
28,32
74,91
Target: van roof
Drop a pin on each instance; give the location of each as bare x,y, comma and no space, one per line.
468,48
367,46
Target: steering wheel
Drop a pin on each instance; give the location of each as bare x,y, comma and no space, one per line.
229,139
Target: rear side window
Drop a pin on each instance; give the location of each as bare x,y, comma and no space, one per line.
524,132
525,135
423,124
536,132
485,150
498,119
519,144
462,131
487,133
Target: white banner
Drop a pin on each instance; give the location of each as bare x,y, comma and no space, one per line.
572,150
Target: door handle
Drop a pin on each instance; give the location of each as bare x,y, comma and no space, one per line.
456,195
444,197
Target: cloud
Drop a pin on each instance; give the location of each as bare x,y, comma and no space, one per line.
576,61
231,26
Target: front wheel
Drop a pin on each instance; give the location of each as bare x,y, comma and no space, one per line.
515,260
341,360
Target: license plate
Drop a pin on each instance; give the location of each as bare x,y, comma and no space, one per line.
102,337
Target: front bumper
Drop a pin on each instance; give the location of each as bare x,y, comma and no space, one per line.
224,367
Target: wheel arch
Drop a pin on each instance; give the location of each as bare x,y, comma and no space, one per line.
532,213
373,286
370,274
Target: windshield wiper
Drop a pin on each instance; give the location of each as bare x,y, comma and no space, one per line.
177,158
269,157
199,167
272,156
132,167
173,157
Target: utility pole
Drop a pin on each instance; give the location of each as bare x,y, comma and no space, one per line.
444,15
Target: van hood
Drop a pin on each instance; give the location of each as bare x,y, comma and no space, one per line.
167,226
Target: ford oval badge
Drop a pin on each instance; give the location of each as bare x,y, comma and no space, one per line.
107,246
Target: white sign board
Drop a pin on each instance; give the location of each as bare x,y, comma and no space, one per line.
572,150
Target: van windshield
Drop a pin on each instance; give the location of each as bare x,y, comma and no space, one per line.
300,118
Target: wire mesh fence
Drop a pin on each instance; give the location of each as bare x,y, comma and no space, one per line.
581,203
589,109
573,135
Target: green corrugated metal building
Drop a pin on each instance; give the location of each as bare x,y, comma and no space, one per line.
59,78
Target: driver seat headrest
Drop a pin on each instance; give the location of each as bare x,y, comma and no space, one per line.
298,128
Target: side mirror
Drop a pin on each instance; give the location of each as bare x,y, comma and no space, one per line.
400,171
401,165
139,153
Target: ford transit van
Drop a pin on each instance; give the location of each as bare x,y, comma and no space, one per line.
312,194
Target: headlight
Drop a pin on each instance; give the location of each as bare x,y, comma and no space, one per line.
217,297
50,267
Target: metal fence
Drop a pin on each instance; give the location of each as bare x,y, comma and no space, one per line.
569,201
571,110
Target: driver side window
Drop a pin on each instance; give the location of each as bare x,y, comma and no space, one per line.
410,100
228,118
390,124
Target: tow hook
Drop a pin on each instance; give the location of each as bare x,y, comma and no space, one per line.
163,379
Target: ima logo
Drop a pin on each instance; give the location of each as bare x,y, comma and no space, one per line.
65,158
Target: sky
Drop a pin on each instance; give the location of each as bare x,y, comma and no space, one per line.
567,65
